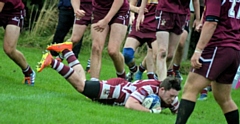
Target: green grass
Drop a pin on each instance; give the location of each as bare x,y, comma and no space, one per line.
52,100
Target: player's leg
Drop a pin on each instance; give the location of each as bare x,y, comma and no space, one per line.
175,66
151,60
161,65
141,68
98,40
76,79
222,94
117,35
128,53
194,84
11,36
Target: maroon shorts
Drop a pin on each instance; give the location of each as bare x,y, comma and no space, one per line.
120,18
219,64
12,19
143,36
171,22
86,20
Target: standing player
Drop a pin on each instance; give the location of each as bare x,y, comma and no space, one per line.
109,17
116,91
171,17
220,35
11,19
147,33
83,14
175,65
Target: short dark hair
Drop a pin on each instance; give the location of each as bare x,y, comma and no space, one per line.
171,83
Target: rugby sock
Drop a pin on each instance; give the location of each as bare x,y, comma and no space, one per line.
141,68
205,91
27,71
70,57
176,67
121,74
150,75
133,69
170,72
232,117
184,111
62,69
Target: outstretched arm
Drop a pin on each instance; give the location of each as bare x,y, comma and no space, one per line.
135,104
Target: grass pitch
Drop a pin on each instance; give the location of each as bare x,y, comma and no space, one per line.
52,99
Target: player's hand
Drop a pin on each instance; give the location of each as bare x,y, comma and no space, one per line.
132,17
195,60
100,25
140,20
79,13
199,28
156,110
196,23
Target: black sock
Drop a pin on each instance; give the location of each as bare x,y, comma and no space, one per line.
232,117
184,111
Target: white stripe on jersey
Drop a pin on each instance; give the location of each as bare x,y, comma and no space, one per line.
105,91
116,91
140,96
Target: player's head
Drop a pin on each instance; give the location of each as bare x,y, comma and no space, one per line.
169,89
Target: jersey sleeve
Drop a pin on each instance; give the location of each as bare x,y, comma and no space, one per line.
175,105
143,92
213,8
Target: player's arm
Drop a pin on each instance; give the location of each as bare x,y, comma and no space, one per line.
76,7
133,6
117,4
140,18
132,103
1,6
196,7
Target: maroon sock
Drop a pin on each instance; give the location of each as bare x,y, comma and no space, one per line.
121,75
70,57
141,68
133,69
27,72
176,67
150,75
62,69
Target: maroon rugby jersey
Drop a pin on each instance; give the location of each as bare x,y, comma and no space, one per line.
174,6
105,5
121,90
227,32
12,6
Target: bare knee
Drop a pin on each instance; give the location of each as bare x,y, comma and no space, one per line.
96,48
163,53
112,52
8,50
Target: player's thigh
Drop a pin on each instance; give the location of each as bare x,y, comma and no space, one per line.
162,39
221,92
131,43
98,38
11,36
195,83
117,35
78,31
